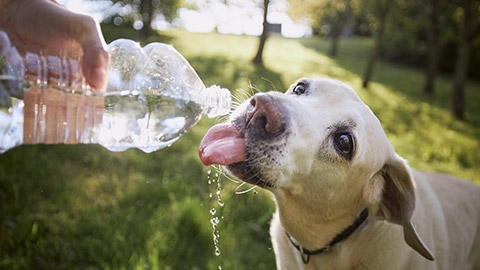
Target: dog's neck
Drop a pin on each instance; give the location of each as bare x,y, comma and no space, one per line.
312,225
306,253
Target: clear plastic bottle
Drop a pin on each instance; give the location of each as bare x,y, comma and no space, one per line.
153,96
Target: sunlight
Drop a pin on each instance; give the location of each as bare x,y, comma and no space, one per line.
240,17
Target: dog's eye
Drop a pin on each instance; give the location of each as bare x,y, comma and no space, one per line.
299,89
344,144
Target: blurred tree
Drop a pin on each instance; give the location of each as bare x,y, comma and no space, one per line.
470,13
148,10
379,10
330,15
407,36
434,47
263,37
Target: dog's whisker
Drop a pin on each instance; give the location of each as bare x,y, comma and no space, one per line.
231,178
241,95
239,186
244,191
223,118
253,88
274,87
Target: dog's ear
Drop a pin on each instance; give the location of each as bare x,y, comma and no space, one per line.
398,202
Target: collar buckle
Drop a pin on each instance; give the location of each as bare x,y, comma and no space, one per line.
305,256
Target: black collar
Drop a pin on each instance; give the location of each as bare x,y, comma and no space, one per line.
305,253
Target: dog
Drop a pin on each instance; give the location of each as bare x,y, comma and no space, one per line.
344,198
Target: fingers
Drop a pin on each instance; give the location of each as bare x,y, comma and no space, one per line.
85,32
95,58
46,23
95,66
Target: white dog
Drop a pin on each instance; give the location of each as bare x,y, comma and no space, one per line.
344,199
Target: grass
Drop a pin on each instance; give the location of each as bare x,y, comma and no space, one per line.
83,207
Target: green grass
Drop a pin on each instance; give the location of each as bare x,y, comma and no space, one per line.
83,207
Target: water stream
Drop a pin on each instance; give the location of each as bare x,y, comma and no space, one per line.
215,220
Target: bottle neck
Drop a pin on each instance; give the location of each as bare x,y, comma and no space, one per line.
216,101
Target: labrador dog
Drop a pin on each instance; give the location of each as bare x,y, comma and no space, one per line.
344,198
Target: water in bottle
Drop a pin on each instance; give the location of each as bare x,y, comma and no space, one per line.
153,96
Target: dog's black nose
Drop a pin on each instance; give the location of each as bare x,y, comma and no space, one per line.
265,114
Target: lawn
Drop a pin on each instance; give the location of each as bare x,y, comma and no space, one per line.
83,207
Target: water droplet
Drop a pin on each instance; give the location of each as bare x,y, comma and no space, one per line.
219,267
214,222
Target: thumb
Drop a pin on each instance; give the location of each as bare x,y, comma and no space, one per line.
95,61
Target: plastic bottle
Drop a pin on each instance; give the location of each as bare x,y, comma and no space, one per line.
153,96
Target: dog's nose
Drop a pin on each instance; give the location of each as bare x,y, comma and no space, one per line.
264,113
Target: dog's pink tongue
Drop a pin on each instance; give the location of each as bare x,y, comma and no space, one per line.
223,144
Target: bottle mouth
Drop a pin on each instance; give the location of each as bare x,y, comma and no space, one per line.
218,101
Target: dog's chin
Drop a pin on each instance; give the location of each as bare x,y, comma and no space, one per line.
250,175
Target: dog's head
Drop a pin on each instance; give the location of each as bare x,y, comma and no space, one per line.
318,143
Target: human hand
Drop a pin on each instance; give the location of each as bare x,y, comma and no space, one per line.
47,24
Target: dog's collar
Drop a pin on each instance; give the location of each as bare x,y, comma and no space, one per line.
305,253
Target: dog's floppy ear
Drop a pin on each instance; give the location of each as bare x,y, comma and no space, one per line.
398,202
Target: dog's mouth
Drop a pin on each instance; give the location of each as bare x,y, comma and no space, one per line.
251,146
224,144
249,174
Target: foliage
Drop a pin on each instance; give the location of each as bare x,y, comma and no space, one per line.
165,8
147,11
407,30
83,207
332,13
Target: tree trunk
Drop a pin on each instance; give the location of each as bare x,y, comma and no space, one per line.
371,62
463,58
382,9
461,70
146,11
336,32
263,36
432,65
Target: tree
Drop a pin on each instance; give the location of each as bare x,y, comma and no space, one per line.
434,48
263,37
470,29
148,10
338,19
334,14
440,26
380,9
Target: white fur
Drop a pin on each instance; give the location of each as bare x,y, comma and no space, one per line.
318,193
